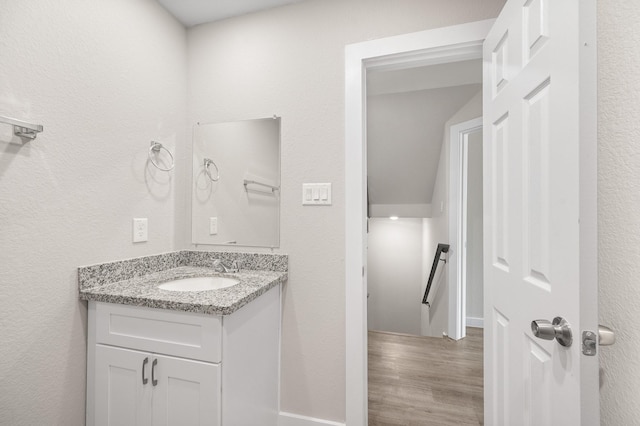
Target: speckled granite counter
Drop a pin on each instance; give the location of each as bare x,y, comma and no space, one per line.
136,281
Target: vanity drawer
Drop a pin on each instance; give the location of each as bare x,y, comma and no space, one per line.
181,334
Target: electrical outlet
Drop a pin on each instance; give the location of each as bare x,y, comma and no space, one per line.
213,225
140,230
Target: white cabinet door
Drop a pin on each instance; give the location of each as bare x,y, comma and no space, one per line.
186,392
121,398
540,213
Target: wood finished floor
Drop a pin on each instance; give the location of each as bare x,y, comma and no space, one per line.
425,380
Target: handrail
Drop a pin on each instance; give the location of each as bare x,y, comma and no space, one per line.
442,248
22,128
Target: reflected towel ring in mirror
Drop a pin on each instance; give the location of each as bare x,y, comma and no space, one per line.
155,148
207,163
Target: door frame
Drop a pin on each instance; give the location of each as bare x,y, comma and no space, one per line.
458,136
441,45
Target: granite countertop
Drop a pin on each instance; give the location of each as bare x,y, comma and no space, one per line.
142,289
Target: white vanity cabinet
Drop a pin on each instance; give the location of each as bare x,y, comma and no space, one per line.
156,367
185,391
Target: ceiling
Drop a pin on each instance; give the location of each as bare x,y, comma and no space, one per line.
425,77
194,12
407,111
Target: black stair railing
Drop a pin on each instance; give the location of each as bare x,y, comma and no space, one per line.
442,248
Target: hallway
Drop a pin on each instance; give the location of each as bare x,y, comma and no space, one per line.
425,380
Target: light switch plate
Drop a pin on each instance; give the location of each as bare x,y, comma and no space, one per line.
213,225
316,194
140,229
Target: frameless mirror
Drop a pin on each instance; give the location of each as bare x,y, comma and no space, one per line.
236,183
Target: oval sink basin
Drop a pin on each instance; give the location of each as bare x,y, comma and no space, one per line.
198,284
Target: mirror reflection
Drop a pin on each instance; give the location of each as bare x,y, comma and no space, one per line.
236,183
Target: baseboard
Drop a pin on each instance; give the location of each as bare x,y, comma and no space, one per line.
475,322
289,419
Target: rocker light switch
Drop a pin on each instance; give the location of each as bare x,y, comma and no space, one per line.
316,194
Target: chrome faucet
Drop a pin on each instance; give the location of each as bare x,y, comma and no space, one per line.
220,266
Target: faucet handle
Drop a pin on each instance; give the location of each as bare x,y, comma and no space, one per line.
219,266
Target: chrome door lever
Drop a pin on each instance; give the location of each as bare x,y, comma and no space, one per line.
559,329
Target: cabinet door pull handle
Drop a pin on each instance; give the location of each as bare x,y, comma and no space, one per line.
153,372
144,364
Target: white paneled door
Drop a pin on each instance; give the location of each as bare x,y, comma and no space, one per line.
539,209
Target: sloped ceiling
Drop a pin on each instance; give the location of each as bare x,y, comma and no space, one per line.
406,114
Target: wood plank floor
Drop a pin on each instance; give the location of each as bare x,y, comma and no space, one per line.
425,380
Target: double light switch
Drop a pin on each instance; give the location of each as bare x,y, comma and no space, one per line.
316,194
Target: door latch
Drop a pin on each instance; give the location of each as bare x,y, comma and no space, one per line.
605,337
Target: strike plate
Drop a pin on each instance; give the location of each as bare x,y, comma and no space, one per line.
589,339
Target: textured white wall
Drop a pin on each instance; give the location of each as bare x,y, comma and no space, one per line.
618,205
435,318
394,275
290,61
104,78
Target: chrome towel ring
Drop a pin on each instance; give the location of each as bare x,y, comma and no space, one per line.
207,163
155,148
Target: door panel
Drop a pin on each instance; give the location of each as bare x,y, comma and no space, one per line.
500,192
538,386
499,371
534,91
187,393
537,188
120,396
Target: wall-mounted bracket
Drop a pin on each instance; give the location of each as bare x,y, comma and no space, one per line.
22,128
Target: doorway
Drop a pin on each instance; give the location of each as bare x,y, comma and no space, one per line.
472,230
466,277
472,276
439,46
420,143
414,117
